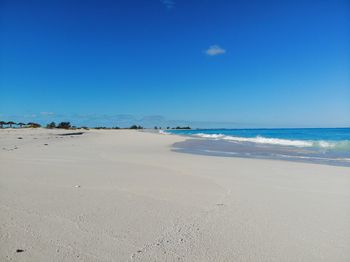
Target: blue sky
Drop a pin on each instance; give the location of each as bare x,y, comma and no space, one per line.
165,62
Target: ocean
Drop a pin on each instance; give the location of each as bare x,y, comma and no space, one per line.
315,145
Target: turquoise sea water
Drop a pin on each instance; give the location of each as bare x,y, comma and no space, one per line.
326,145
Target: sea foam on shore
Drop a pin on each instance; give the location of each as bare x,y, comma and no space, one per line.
329,146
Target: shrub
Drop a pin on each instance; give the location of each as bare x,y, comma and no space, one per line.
51,125
64,125
135,127
33,125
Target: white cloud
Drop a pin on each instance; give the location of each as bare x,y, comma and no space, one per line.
215,50
168,3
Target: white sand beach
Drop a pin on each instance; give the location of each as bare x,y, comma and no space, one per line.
123,195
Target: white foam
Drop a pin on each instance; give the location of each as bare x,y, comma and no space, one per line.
163,132
343,145
215,136
259,140
325,144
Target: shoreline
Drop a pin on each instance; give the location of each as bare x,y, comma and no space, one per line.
200,147
124,195
227,143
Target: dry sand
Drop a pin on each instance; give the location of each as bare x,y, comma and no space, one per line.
115,195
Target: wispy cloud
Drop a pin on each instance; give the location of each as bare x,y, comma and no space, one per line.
168,3
47,113
215,50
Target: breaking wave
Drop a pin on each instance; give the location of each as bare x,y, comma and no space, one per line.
340,145
163,132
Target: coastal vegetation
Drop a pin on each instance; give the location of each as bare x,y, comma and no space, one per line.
33,125
64,125
51,125
68,125
11,124
168,127
135,127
